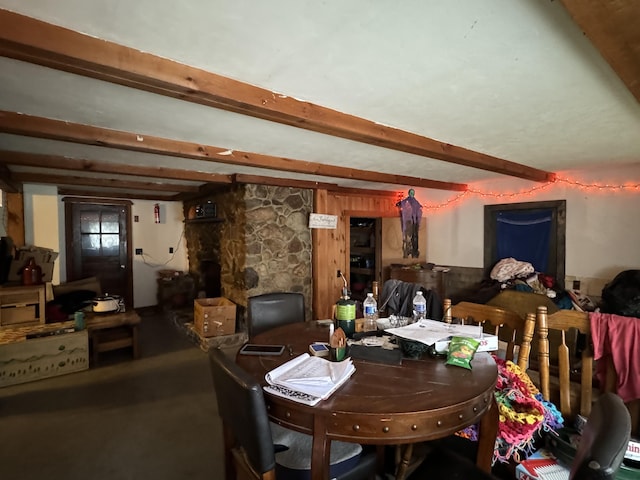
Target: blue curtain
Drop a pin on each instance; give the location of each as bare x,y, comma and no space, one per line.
525,236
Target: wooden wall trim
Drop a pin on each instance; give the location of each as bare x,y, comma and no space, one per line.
15,218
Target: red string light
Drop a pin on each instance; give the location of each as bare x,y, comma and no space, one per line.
631,187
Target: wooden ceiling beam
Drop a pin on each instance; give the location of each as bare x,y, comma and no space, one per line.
100,182
32,126
27,39
281,182
614,29
83,192
77,164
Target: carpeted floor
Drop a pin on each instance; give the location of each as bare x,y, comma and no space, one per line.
153,418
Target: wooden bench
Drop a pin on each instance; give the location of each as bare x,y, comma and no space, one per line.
113,331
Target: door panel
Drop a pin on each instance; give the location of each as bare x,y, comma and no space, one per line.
99,234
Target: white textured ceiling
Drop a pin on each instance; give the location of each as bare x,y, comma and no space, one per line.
515,79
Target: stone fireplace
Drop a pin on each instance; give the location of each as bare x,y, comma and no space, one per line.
260,240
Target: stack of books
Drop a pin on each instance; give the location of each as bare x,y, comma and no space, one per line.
308,379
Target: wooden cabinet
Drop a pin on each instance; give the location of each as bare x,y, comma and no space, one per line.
22,306
364,255
429,279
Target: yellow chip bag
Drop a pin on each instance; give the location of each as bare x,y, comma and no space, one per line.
461,351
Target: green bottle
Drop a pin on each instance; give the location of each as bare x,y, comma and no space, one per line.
346,314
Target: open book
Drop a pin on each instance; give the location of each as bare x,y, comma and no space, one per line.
308,379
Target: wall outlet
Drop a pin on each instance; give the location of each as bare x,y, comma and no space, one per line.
339,274
576,285
170,249
138,251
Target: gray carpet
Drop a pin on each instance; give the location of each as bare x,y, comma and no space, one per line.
153,418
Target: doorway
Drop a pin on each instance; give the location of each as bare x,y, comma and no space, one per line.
365,262
527,217
98,236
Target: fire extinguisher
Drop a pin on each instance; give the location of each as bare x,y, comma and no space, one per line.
156,213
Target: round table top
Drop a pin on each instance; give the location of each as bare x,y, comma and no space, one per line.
417,400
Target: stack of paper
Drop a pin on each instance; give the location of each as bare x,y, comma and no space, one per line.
439,334
308,379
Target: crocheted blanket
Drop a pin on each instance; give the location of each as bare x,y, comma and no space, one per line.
524,414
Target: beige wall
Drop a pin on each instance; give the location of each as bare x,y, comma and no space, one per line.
155,239
602,236
392,242
603,232
44,227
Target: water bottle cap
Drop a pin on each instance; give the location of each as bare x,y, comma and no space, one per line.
369,294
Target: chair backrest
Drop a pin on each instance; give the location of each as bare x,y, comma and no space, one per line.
244,417
271,310
604,440
563,321
510,327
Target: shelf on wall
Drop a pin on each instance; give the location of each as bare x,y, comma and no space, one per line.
204,220
363,250
363,271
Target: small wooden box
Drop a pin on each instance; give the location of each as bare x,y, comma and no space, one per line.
214,316
22,306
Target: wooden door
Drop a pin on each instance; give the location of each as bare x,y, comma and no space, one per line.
98,239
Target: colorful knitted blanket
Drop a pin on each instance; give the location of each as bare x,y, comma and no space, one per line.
524,414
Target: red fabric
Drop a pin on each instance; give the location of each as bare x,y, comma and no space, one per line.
618,337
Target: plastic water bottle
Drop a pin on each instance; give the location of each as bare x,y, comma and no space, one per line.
370,308
419,306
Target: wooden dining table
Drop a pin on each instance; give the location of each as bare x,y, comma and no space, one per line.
382,403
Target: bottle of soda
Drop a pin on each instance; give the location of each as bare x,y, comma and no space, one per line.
419,306
370,308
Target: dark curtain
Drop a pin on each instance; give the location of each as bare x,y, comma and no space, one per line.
525,236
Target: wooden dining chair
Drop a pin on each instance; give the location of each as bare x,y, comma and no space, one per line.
512,329
270,310
567,382
600,452
256,449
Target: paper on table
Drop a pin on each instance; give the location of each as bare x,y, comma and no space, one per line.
439,334
311,375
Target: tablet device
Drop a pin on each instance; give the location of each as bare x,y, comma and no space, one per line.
255,349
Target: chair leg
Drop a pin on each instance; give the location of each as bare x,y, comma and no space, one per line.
404,461
229,463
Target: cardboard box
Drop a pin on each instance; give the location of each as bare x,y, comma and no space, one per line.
44,257
213,317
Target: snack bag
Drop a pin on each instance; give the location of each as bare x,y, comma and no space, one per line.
461,351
